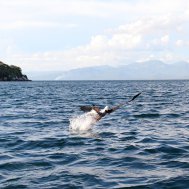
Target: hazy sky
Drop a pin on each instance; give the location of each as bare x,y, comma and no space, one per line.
65,34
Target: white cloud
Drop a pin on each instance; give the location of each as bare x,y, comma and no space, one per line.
182,44
134,41
24,24
165,39
47,9
124,41
147,31
98,42
179,43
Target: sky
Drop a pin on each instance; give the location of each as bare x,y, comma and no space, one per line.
59,35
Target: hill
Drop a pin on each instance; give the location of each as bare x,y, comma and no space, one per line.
11,73
149,70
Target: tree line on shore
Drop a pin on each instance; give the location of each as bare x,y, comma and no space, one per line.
11,73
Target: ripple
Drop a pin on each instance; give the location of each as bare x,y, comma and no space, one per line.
141,145
15,186
147,140
171,150
172,115
18,165
175,182
175,164
62,158
131,148
148,115
46,143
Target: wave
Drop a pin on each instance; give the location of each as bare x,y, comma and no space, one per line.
147,115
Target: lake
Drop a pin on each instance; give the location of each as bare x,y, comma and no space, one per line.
144,144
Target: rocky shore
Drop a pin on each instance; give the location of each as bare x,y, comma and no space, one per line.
11,73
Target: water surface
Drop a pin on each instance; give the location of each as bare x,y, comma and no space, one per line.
142,145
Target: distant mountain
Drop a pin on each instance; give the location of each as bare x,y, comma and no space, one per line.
11,73
150,70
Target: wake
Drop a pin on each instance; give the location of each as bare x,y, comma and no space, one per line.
82,122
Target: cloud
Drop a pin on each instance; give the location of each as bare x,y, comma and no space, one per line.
35,9
27,25
38,24
180,43
165,39
130,42
141,30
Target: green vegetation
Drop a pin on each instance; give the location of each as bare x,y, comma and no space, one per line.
11,73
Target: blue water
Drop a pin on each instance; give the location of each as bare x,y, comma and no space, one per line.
142,145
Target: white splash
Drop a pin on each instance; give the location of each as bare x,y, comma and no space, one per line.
82,122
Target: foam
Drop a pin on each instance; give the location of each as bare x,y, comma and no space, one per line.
82,122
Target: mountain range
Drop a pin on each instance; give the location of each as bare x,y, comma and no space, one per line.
149,70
